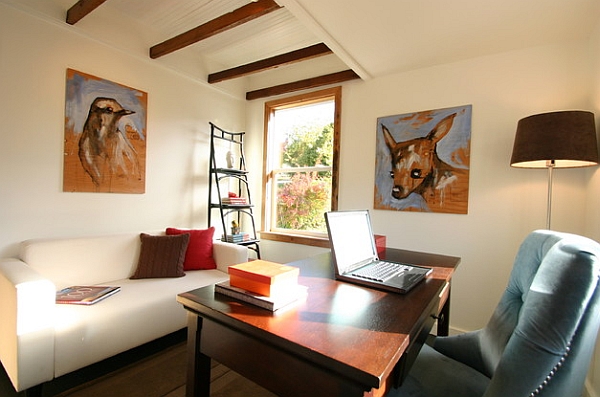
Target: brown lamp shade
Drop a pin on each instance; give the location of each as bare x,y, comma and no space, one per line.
562,139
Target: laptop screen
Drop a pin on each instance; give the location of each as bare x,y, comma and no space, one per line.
351,237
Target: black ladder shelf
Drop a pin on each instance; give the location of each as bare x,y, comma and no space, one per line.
227,175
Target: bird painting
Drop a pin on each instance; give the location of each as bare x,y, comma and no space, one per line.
105,136
104,151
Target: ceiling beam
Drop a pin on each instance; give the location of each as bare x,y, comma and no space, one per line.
312,82
220,24
270,63
81,9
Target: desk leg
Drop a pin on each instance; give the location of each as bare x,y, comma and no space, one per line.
198,364
443,320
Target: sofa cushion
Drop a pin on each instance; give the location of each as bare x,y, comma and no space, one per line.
199,254
143,311
88,260
161,256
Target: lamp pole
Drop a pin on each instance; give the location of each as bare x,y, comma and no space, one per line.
550,166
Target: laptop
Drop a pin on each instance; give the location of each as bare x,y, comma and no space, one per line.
355,257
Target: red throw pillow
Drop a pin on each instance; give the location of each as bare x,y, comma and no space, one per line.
199,254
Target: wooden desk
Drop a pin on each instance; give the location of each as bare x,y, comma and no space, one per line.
343,340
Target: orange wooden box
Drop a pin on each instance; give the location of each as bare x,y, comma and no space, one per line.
263,277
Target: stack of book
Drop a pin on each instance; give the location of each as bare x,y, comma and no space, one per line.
263,277
265,284
237,238
234,200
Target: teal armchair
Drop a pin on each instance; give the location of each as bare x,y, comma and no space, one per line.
540,338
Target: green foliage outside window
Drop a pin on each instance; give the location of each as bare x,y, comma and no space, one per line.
302,202
309,147
303,197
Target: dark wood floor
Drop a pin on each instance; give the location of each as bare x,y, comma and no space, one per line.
151,371
163,375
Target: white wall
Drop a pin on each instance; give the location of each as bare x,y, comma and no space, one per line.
34,56
592,210
593,191
505,203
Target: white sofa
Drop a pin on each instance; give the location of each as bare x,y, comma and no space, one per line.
40,340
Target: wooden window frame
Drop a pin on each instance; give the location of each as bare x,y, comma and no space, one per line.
270,108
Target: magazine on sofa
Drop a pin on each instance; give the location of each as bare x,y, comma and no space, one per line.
85,295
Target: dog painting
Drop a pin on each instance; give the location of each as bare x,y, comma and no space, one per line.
105,136
422,161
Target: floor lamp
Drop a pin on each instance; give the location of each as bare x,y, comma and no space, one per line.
564,139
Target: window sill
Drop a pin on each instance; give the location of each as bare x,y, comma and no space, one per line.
296,239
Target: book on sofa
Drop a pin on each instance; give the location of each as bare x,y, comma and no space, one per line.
85,295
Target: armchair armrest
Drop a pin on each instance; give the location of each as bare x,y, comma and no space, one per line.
465,348
227,254
27,326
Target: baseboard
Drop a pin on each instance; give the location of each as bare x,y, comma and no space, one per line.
455,331
588,391
94,371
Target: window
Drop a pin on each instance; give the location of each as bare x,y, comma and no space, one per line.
300,165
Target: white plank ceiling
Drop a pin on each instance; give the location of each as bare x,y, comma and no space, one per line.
374,38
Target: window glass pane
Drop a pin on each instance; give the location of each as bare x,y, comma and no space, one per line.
303,135
301,156
302,198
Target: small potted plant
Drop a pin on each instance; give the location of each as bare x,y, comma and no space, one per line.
235,228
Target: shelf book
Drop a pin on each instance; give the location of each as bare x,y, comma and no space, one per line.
263,277
85,295
234,200
238,238
271,303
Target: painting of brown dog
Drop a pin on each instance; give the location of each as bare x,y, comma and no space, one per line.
423,161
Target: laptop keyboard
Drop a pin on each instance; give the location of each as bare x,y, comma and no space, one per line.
380,272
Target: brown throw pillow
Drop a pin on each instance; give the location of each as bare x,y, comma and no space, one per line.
161,256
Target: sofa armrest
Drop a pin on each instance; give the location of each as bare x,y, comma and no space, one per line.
27,326
227,254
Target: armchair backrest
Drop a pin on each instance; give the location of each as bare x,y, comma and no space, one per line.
542,334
